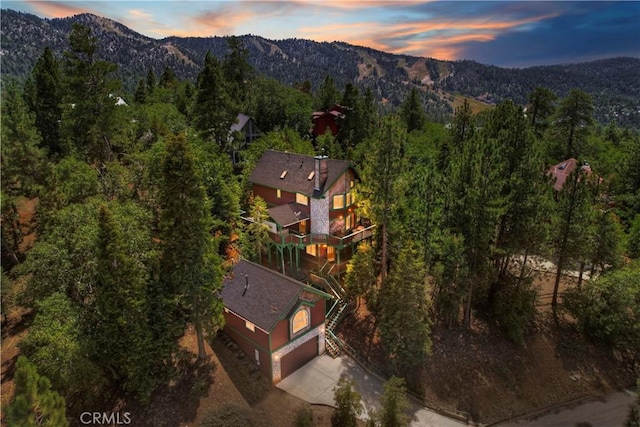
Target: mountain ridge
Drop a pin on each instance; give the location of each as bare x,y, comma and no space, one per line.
614,83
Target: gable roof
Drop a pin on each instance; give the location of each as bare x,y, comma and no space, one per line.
288,214
269,298
299,167
240,123
562,170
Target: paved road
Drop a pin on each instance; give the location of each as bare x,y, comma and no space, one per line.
611,412
314,383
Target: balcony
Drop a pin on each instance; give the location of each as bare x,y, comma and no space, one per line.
290,237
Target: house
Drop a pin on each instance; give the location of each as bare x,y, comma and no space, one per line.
241,134
323,120
312,208
560,172
277,321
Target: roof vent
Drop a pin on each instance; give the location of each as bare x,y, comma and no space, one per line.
246,286
274,308
283,174
311,175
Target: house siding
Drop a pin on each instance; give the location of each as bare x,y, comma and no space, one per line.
318,313
249,349
280,334
269,195
238,324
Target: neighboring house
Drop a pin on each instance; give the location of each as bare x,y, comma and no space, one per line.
312,207
327,120
562,170
241,135
277,321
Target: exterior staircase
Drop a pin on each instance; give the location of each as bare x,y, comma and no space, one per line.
337,311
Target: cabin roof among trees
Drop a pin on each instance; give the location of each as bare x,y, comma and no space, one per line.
270,169
562,170
269,297
241,122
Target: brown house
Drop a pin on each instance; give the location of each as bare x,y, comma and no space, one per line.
327,120
560,172
277,321
312,207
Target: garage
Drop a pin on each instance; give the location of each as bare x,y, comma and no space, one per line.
298,357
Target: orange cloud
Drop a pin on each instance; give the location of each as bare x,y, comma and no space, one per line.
139,14
52,9
357,5
220,22
434,38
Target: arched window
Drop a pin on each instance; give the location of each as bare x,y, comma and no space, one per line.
300,320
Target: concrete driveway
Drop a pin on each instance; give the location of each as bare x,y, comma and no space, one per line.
314,383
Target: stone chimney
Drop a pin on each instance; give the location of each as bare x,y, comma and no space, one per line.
321,170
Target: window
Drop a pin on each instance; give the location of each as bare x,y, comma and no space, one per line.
302,199
250,326
348,222
300,321
351,184
312,250
331,253
278,193
338,201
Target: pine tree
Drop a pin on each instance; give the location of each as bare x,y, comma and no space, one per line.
450,271
361,277
89,119
35,404
23,167
475,204
189,269
46,99
214,110
120,334
463,125
258,230
237,70
394,405
413,111
140,95
541,108
151,82
350,123
571,224
405,323
572,123
382,182
348,404
327,94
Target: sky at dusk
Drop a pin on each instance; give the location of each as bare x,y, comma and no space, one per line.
503,33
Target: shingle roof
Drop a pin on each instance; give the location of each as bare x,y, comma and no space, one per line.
288,214
299,167
269,297
562,170
242,120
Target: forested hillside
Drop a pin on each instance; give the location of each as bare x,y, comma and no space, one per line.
120,220
613,84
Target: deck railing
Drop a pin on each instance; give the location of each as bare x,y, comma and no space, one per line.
291,237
